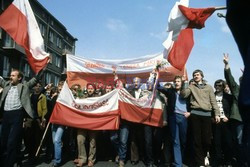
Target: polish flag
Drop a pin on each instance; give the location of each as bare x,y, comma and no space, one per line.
19,22
179,43
95,113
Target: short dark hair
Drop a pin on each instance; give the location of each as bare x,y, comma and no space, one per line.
177,77
220,81
198,71
20,74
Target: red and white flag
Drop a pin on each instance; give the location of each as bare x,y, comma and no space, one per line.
179,43
19,22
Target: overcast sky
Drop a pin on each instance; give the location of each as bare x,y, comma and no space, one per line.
117,29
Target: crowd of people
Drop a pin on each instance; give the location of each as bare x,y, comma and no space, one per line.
202,125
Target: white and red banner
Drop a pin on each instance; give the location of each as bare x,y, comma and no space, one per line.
104,112
141,110
19,22
96,113
82,70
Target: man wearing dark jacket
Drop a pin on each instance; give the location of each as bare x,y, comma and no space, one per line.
177,113
221,132
235,117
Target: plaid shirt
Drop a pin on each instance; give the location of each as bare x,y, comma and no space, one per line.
12,101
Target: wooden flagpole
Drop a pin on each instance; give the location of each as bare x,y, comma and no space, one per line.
41,142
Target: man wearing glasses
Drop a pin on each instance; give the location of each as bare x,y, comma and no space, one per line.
221,132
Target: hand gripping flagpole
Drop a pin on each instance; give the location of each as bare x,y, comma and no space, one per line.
41,142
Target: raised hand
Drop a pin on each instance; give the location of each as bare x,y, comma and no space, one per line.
226,58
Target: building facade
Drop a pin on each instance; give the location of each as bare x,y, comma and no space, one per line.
57,40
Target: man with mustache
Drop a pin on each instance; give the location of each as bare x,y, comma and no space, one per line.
15,102
202,105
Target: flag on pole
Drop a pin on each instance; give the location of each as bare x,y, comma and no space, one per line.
19,22
180,41
196,16
180,49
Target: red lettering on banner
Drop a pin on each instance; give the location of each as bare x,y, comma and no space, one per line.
130,66
93,106
94,65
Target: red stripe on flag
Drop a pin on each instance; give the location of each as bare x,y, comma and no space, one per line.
14,22
181,49
148,116
64,115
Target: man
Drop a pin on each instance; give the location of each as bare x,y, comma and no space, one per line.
14,101
202,105
221,132
136,133
34,131
235,117
177,113
82,135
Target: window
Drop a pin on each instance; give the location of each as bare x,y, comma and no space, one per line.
6,66
8,42
48,78
42,29
57,79
58,61
58,42
51,36
43,15
26,70
51,57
